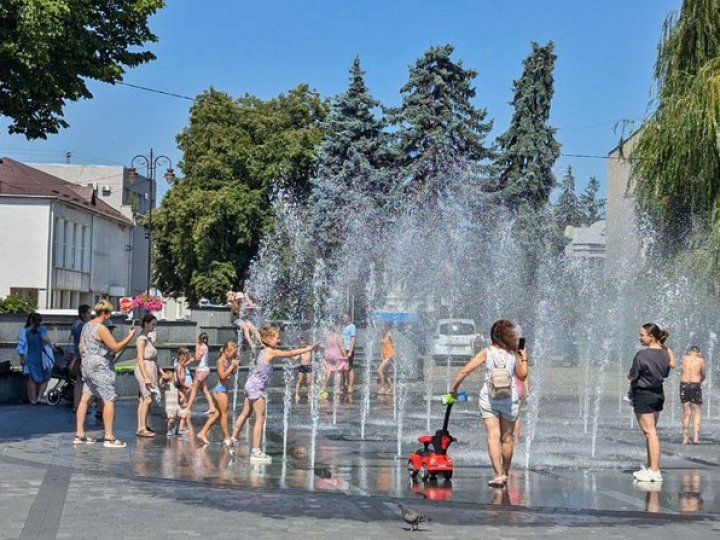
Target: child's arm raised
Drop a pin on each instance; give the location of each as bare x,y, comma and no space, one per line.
278,353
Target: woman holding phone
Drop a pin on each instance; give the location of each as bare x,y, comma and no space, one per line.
504,361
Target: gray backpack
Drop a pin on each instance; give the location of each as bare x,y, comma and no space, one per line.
500,380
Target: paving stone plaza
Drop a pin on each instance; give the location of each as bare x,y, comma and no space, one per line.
175,487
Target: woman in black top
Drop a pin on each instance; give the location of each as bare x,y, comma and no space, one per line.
649,369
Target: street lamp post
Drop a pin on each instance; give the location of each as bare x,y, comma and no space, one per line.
151,163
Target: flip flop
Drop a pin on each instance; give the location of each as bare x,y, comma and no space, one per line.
145,433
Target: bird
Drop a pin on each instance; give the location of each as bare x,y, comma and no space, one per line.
412,518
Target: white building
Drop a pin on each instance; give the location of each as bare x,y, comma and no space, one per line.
61,244
587,243
624,242
128,194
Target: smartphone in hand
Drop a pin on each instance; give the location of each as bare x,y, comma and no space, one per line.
521,344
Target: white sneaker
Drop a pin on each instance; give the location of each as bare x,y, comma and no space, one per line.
642,468
648,475
258,456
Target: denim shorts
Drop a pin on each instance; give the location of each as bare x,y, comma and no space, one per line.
498,408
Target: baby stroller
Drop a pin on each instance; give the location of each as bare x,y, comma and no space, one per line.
61,385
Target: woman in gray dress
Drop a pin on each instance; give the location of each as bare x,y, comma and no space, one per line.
98,376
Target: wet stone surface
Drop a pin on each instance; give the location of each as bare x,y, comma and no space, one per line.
169,486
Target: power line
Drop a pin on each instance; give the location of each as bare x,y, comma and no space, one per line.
156,91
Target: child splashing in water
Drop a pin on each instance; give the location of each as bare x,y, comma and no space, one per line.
305,374
227,363
256,388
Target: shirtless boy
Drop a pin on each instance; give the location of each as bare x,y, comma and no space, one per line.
693,371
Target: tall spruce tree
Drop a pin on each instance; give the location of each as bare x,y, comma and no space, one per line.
568,210
592,208
438,126
528,149
349,177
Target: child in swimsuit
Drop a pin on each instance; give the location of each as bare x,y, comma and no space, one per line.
227,363
305,374
256,388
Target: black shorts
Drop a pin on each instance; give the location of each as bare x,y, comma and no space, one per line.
691,393
351,359
304,369
648,400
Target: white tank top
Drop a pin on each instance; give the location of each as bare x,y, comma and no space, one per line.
203,364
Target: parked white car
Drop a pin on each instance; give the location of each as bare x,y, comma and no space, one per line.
454,339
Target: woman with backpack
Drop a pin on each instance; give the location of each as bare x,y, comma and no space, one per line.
498,397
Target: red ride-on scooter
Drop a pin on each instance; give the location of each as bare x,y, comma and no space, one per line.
429,463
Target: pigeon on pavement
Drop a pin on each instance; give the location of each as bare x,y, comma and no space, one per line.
412,518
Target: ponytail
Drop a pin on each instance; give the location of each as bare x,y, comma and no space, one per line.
655,331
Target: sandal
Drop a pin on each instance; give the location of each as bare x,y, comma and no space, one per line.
83,439
145,433
114,443
498,482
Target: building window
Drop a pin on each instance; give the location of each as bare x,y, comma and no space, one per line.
57,242
83,250
75,239
65,246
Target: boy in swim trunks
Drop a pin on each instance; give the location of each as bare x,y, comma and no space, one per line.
693,372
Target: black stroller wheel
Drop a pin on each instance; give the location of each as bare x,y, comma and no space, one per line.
53,397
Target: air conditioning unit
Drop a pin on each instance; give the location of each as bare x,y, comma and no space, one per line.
105,190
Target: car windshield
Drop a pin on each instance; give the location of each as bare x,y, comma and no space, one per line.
457,329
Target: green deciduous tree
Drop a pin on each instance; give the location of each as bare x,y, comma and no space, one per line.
437,124
50,48
676,162
528,149
235,153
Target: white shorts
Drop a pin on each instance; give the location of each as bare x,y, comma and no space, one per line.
498,408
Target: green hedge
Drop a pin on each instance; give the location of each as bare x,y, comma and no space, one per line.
16,304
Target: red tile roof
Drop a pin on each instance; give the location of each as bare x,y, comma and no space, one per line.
19,179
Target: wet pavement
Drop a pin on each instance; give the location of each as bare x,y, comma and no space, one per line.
560,485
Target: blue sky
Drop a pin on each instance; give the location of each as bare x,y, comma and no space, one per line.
606,53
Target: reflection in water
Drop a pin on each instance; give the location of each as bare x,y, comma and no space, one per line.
516,492
345,464
432,491
691,492
652,495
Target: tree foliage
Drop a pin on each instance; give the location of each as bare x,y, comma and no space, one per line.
437,124
568,210
676,162
351,174
592,207
50,48
528,149
235,153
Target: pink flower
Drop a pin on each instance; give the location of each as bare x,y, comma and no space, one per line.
147,302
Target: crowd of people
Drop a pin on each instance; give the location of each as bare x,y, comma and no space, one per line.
505,386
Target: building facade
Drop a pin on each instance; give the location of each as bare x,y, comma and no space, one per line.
131,195
623,239
61,244
588,244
